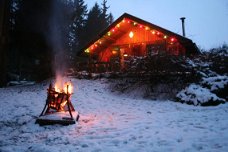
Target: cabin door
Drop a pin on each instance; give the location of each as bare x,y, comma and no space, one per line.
124,53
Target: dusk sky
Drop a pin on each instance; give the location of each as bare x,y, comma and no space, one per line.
206,20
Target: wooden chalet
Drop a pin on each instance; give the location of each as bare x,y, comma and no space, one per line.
130,36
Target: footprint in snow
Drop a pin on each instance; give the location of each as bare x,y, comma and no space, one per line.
179,140
85,120
163,143
197,146
116,142
84,146
123,115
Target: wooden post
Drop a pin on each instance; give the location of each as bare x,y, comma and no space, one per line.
122,59
68,103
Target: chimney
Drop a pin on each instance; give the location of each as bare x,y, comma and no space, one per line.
183,26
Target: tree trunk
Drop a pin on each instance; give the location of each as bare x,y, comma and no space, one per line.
4,38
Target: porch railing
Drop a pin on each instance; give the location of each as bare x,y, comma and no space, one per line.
98,67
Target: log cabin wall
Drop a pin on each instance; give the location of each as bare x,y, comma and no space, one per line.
141,43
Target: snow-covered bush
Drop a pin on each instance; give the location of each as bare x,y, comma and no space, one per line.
215,83
219,59
197,95
218,85
161,76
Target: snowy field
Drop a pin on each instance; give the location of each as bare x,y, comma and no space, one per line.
109,122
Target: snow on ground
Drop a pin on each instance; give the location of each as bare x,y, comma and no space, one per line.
109,122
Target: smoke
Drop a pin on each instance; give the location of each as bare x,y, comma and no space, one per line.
58,39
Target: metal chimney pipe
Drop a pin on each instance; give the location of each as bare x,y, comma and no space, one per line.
183,26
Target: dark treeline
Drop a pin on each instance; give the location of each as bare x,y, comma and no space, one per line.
38,28
4,42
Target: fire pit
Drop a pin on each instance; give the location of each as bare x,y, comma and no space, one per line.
58,108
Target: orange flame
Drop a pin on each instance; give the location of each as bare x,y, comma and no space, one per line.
66,88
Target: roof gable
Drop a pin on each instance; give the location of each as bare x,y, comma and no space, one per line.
121,26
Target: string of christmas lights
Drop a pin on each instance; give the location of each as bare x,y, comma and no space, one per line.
131,34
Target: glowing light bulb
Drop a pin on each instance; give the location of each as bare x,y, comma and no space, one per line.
172,39
87,51
131,34
92,47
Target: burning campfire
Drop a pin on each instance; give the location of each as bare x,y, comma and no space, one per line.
58,107
58,97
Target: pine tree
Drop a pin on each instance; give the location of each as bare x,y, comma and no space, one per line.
104,15
79,21
93,25
110,18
